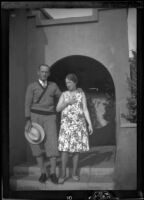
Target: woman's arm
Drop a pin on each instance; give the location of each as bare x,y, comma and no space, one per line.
86,113
61,104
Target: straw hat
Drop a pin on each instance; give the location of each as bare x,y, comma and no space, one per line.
35,135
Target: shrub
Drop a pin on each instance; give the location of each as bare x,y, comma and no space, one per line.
131,116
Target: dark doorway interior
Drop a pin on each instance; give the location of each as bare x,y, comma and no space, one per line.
99,88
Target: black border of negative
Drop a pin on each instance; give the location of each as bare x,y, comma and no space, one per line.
6,193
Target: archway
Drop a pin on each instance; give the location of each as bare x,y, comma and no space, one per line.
99,88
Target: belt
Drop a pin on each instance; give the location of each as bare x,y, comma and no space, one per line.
42,112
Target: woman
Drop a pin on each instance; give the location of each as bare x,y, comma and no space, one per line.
73,136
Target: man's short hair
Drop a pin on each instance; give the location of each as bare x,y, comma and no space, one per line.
43,65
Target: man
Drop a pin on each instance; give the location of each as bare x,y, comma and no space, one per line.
40,108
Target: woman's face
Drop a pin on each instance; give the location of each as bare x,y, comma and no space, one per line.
70,84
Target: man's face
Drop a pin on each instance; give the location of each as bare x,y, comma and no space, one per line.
44,73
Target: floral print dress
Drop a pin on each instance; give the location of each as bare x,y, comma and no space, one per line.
73,136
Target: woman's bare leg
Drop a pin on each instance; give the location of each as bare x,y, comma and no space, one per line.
64,159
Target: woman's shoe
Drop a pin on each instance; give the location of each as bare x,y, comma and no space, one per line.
54,178
61,180
76,178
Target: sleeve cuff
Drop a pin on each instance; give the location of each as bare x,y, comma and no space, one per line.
27,118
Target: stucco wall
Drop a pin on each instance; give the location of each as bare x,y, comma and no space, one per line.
17,83
105,41
125,175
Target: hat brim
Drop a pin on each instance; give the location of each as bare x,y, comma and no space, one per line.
42,134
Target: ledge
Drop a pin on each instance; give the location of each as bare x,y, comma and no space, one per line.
71,20
128,125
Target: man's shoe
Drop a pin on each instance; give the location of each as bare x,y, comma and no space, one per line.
43,178
53,178
61,180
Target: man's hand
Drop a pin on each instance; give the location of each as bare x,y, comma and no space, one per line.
28,125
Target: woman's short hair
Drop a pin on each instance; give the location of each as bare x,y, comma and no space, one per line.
72,77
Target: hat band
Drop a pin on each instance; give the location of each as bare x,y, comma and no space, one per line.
34,138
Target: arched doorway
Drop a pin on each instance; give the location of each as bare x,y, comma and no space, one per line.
99,88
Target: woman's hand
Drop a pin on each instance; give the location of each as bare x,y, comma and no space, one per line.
71,101
90,128
62,104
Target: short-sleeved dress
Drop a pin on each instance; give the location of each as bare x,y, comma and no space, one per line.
73,135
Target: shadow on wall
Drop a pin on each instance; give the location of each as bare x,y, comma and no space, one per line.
37,40
27,46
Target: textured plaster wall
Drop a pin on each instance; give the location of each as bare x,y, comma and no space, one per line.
105,40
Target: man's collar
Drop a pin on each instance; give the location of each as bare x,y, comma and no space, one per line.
43,83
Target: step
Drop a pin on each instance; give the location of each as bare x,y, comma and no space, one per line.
85,183
98,157
99,161
34,170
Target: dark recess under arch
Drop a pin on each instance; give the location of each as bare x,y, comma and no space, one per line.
96,81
